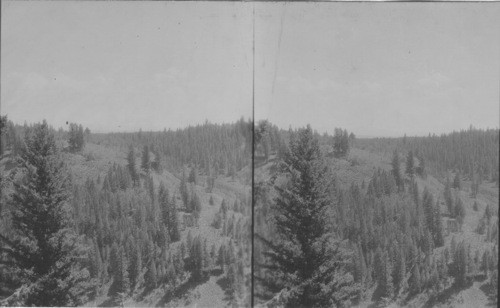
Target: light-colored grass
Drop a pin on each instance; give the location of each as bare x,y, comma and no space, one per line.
96,159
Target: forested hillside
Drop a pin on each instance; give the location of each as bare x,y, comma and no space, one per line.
157,218
398,234
164,218
472,152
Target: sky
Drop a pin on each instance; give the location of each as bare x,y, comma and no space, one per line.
125,66
379,69
376,69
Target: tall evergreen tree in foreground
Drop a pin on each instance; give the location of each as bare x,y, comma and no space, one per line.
304,256
43,248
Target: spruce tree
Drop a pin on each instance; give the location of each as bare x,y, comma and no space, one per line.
305,257
386,284
135,267
184,191
221,259
3,134
396,172
157,162
438,226
420,170
173,226
163,202
195,265
459,266
456,181
145,162
76,139
121,282
151,279
410,164
448,197
41,244
192,176
415,283
131,166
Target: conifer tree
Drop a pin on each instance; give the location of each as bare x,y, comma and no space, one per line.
145,161
96,262
163,202
428,205
487,213
151,278
192,176
459,266
420,170
396,171
195,264
131,166
42,246
459,210
173,227
386,284
121,282
340,143
360,269
76,139
410,164
438,227
157,162
3,134
135,267
456,181
306,258
195,204
448,197
184,191
415,283
400,281
475,207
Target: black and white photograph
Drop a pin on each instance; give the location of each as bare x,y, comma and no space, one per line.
249,154
376,158
126,154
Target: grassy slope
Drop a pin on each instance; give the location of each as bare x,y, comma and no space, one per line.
368,162
208,294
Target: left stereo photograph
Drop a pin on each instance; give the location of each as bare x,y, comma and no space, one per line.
126,154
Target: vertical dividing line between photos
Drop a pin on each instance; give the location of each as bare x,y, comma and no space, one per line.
252,272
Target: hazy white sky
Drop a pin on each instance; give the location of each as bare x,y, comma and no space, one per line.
378,69
126,65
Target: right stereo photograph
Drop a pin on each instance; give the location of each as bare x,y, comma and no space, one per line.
376,154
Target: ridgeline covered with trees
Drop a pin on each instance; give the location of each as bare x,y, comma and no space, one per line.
114,218
399,235
158,218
